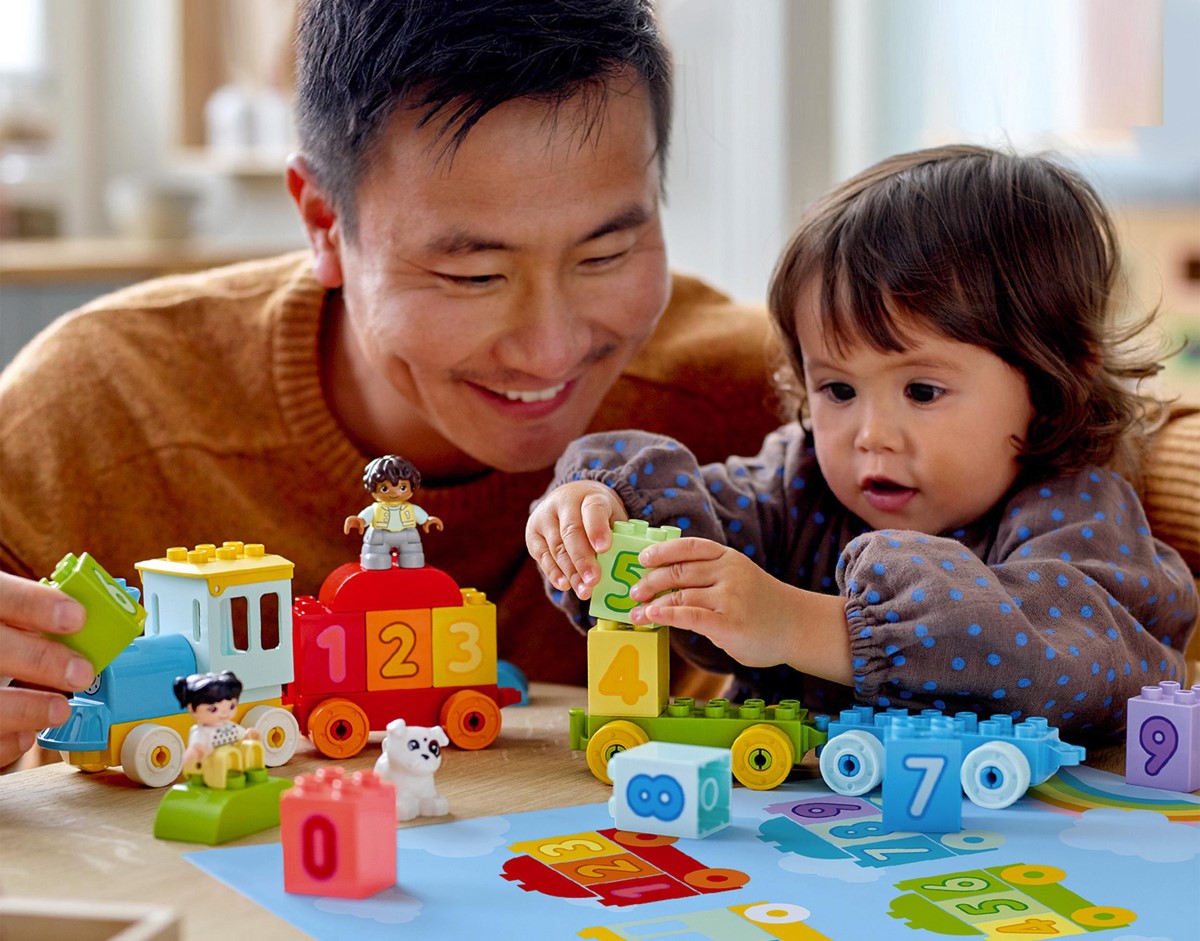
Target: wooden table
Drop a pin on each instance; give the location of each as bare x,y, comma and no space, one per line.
69,835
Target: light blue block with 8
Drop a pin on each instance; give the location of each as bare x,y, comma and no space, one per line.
671,790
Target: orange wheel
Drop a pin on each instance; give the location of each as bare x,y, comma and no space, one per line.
338,728
471,719
716,879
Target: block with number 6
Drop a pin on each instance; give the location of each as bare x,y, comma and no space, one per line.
671,790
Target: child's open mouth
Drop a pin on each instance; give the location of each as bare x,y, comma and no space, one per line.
886,495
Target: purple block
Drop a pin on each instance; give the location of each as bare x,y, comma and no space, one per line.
1162,745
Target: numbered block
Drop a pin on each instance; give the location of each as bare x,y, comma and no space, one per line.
399,649
464,642
620,570
114,617
1162,745
822,810
330,648
628,670
339,834
922,789
672,790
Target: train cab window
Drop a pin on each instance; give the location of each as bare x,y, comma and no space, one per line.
153,621
268,620
197,618
239,625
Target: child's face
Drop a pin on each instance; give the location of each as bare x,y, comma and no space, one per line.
214,713
919,440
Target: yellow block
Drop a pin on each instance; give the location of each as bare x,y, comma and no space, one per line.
628,670
464,642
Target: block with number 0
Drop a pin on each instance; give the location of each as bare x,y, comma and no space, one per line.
671,790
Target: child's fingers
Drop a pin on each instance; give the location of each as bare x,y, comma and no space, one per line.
690,549
691,609
599,510
674,577
575,555
30,710
539,551
13,745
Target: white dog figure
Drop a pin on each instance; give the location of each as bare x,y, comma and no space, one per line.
411,754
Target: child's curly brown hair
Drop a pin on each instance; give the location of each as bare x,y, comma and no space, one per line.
1014,254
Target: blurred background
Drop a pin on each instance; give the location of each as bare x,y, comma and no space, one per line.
141,137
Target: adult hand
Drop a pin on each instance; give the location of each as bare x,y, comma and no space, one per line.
27,611
567,530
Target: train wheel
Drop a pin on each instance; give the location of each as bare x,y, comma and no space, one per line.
470,719
338,728
279,730
1022,874
762,757
152,755
995,775
852,763
609,739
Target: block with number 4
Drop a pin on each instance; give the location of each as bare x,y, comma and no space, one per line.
628,670
671,790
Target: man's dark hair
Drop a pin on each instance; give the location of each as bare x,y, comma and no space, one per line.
392,468
454,61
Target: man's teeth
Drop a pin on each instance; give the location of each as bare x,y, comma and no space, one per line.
539,396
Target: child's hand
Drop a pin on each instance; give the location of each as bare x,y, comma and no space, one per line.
754,617
568,528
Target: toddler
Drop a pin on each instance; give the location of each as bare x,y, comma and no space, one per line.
941,526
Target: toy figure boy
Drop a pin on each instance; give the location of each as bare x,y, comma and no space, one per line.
391,521
216,743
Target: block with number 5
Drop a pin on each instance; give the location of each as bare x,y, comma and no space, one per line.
671,790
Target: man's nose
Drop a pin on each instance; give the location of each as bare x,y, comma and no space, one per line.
548,335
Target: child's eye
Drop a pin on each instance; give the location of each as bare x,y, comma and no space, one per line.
924,392
838,391
602,260
471,281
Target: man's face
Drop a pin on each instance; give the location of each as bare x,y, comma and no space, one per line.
492,297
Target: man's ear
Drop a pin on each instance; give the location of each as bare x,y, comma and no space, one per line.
321,221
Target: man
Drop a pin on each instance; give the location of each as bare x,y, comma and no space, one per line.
480,185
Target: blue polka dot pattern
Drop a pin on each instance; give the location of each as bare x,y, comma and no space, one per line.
1062,587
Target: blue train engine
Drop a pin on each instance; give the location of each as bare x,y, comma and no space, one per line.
208,609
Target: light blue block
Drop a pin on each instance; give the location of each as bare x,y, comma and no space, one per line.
671,790
922,791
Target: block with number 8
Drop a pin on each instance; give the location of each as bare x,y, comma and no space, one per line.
671,790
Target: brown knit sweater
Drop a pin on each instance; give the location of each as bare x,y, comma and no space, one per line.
190,410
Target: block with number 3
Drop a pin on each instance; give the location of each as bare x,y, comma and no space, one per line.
671,790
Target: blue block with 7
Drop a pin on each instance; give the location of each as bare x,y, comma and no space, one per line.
921,787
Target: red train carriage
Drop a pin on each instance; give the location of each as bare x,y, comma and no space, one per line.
377,645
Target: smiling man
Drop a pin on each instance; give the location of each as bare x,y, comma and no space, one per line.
480,183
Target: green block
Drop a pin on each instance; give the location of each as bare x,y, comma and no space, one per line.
114,619
619,568
194,813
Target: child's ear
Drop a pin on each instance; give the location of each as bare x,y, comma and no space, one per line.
321,221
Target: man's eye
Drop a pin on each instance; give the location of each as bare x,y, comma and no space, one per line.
471,280
602,260
838,391
924,392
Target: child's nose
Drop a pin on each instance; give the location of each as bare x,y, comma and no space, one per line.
877,431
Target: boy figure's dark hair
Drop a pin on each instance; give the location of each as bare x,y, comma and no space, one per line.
1010,253
454,61
201,688
392,468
